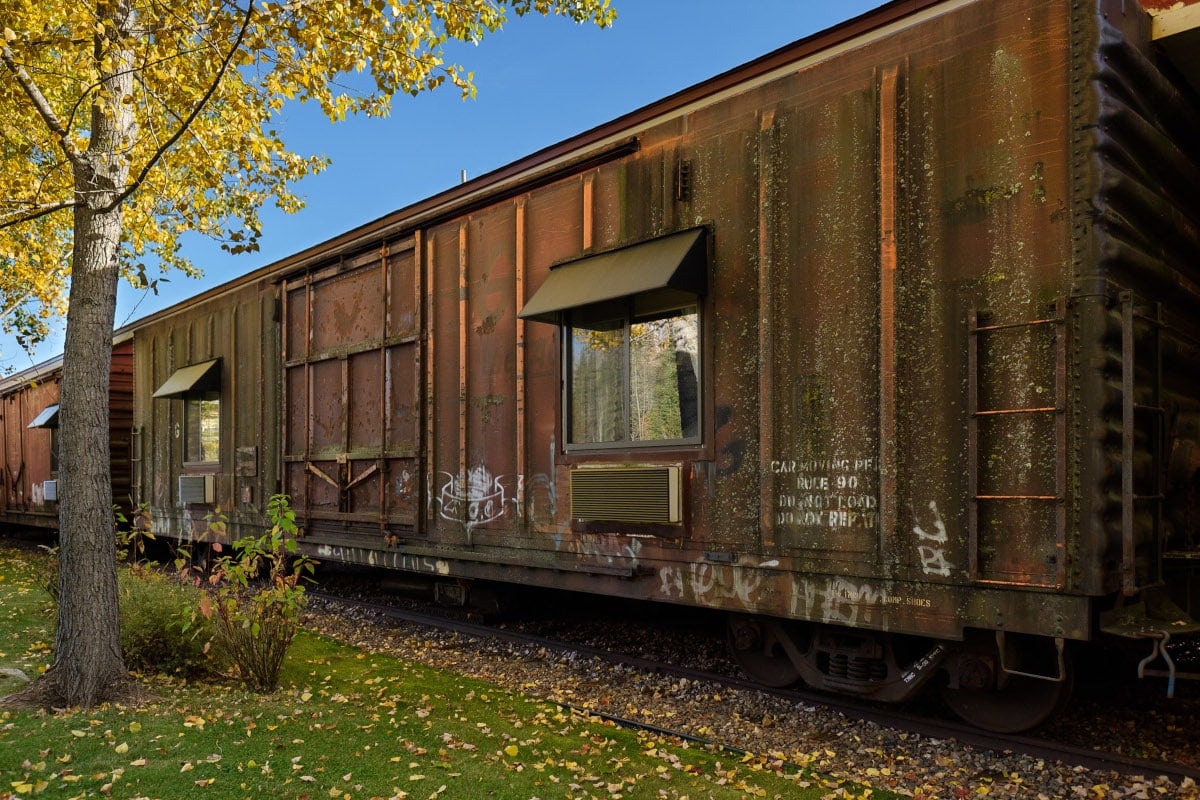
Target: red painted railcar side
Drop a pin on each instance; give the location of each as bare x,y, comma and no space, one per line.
28,436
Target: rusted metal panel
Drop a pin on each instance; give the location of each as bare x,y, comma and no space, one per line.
445,475
985,166
824,460
491,398
350,377
553,219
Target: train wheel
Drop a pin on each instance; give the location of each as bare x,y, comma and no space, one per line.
1020,703
757,646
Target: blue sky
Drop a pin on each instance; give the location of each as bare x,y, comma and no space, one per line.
539,81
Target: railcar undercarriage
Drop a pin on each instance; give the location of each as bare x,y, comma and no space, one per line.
1007,683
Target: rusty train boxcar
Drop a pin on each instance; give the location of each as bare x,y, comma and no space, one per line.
29,438
884,343
30,411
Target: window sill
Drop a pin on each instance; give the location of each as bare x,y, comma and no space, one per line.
697,452
202,467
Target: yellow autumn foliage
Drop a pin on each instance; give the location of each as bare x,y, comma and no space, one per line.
210,80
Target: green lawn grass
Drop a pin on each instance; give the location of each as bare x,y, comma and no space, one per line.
344,724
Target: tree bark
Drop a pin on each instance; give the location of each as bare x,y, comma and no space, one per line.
89,667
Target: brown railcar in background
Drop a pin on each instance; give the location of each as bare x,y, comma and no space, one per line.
206,424
29,441
884,343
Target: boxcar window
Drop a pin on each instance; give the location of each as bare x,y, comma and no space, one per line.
202,428
634,373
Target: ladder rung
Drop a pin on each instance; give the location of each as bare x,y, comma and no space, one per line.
1017,497
1012,325
999,411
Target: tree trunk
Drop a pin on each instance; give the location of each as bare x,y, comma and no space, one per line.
88,661
88,666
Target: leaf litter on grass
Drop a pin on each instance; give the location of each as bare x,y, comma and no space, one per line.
348,724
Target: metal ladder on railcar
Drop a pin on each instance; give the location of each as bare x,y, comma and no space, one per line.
1154,617
976,331
1131,410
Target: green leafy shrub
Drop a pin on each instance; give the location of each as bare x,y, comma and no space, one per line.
159,631
133,534
259,597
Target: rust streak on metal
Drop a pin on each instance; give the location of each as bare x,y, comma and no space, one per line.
308,388
234,374
426,299
519,267
766,339
345,466
973,445
888,111
279,301
462,359
589,193
385,404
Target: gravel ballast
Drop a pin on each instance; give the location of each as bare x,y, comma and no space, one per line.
823,739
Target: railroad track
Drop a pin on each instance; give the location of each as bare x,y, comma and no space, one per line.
892,717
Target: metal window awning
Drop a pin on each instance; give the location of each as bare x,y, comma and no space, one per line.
202,377
47,419
677,261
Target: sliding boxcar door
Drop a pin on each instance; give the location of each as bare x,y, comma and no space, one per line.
352,405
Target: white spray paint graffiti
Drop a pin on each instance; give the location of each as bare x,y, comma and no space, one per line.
539,500
837,601
710,584
404,485
933,557
477,500
481,497
607,548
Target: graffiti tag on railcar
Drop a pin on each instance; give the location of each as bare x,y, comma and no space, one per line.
710,584
930,549
477,500
838,600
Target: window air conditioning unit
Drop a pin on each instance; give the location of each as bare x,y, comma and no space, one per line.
50,491
197,489
638,494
